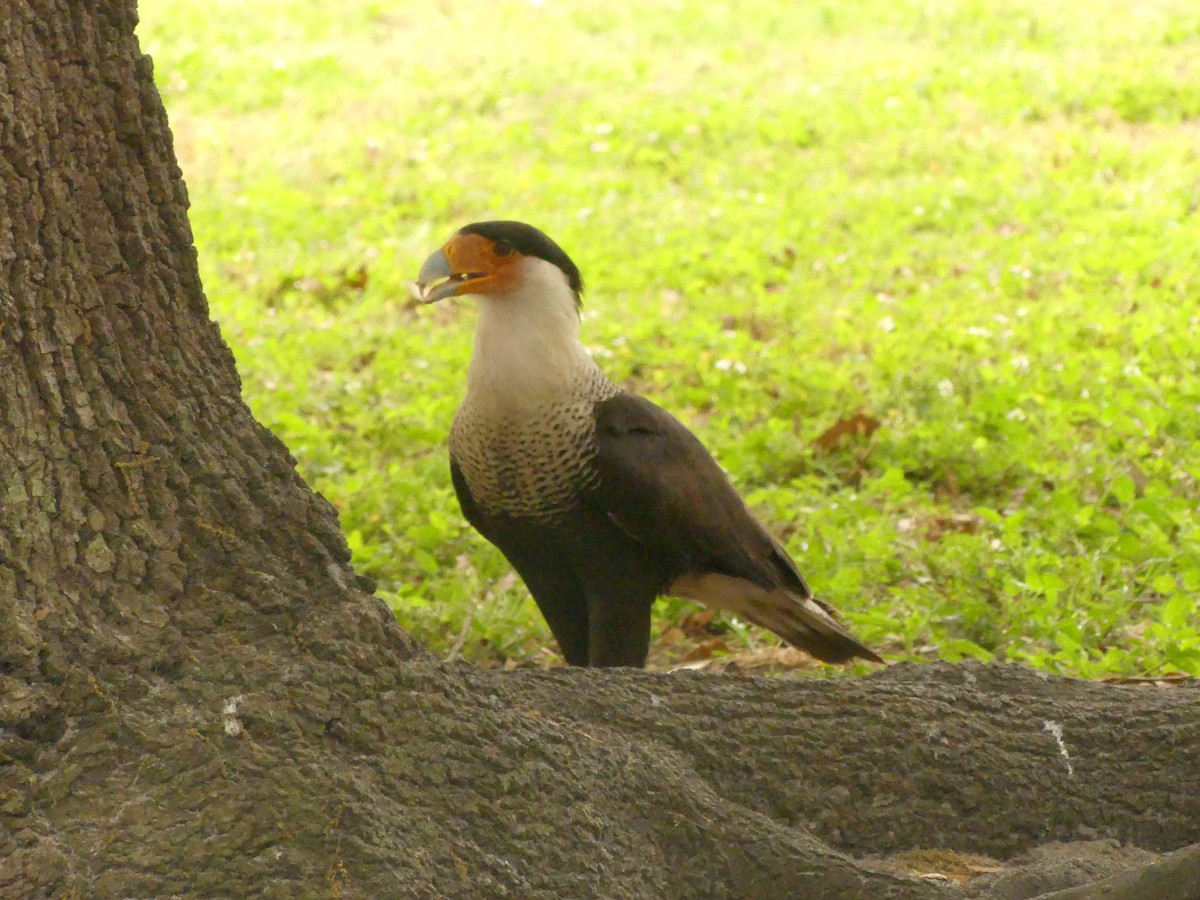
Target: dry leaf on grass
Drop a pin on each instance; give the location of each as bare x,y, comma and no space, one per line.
697,625
706,650
671,637
858,425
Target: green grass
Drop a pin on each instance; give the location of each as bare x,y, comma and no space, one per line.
975,222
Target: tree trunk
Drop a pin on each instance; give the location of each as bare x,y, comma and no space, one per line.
199,697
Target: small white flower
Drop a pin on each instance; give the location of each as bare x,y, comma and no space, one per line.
946,387
976,331
735,365
1015,415
887,323
1021,363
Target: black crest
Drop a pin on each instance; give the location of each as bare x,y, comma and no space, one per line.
532,242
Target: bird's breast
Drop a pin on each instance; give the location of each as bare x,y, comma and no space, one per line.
526,462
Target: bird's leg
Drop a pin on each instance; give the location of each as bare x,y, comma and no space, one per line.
618,625
570,630
562,602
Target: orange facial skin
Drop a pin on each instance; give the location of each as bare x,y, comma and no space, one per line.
469,264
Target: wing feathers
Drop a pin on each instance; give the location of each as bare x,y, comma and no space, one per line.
663,489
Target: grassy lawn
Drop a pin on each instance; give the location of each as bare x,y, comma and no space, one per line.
976,223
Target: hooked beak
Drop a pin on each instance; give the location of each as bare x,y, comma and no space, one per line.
437,279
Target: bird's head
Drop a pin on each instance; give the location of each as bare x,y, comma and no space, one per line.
497,259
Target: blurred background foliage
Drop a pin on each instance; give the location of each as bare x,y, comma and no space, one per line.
973,226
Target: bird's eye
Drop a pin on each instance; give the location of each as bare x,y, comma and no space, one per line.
502,248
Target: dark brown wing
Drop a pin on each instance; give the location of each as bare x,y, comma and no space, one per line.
660,485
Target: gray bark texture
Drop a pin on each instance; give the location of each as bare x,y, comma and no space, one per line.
198,697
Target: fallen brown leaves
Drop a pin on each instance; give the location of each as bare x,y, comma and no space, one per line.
858,425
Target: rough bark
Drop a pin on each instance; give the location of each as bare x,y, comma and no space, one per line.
1176,877
198,697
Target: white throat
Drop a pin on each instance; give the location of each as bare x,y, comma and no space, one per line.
527,349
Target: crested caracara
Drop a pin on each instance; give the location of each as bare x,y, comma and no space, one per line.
601,500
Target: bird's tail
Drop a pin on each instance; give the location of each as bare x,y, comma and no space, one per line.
807,623
802,621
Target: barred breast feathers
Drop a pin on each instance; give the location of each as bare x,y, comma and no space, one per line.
524,436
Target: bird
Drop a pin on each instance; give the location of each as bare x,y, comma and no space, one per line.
601,500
